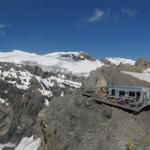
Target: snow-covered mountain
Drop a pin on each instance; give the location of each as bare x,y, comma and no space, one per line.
78,63
117,61
74,62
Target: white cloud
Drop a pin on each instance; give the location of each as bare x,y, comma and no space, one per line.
96,16
128,11
108,15
2,26
3,29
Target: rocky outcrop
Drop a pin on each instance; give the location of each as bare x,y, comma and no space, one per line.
105,61
113,75
81,56
77,122
142,63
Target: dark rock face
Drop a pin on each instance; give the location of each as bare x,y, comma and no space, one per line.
18,118
81,56
87,56
21,99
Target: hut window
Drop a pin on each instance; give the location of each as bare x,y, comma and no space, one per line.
138,94
113,92
121,93
132,94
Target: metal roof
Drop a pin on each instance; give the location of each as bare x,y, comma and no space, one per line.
127,86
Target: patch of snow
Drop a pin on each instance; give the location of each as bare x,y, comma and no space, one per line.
44,91
12,70
117,61
62,94
61,82
4,101
23,76
49,82
62,76
46,102
29,144
82,57
6,145
10,74
142,76
147,70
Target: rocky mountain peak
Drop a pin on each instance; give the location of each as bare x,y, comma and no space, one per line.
142,62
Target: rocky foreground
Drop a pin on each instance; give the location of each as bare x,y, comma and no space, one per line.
82,124
75,122
42,106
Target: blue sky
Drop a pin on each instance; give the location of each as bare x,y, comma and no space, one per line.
101,27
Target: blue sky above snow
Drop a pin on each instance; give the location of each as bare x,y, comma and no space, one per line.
103,28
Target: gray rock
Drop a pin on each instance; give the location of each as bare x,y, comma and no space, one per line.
76,122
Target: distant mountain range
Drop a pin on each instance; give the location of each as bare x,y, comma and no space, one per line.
79,63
